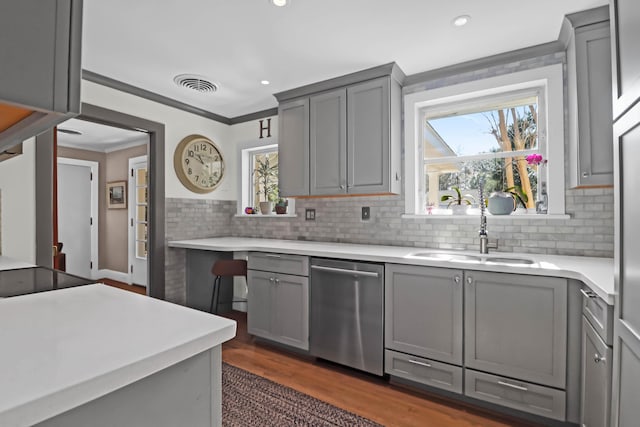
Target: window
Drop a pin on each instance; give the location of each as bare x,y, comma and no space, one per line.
460,135
259,178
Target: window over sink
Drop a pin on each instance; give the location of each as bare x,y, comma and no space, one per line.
506,130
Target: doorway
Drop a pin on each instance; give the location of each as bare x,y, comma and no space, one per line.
78,215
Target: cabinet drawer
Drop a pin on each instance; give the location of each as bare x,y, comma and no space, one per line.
279,263
599,314
424,371
535,399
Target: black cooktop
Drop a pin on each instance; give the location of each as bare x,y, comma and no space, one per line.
36,279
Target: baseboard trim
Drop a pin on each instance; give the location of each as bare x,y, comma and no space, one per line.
114,275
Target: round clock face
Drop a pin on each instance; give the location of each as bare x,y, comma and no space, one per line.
198,164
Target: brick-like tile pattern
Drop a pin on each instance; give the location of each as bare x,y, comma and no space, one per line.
191,219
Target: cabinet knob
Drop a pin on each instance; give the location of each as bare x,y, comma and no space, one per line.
597,358
342,186
585,174
277,281
456,279
271,279
470,280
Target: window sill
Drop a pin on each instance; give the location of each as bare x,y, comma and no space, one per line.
265,216
527,216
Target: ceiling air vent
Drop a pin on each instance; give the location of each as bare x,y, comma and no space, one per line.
195,82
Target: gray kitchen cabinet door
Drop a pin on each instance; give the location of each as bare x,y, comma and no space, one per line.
625,33
595,140
596,379
516,326
293,148
291,313
423,312
328,143
368,137
260,307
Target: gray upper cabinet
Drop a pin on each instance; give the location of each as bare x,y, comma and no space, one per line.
293,148
626,68
588,42
369,138
349,141
423,312
328,142
40,46
516,326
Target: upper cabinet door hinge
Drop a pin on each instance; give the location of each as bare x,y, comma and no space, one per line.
91,176
91,221
131,173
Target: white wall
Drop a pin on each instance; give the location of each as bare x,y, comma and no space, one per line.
178,124
18,214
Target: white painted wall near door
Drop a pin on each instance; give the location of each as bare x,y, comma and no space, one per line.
75,221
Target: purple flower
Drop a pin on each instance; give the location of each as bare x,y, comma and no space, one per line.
535,159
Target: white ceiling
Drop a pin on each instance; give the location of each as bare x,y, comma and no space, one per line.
97,137
238,43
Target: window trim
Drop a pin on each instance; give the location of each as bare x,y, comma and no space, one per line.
549,81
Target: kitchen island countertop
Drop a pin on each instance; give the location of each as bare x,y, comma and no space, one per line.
596,273
64,348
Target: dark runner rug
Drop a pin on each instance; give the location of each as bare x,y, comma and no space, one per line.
249,400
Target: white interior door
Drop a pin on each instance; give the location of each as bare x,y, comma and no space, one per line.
74,217
138,219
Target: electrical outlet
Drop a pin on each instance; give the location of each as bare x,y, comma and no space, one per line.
366,213
310,214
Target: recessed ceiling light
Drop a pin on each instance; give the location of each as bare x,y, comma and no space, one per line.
461,20
279,3
264,82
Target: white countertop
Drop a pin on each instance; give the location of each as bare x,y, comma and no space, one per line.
597,273
61,349
7,263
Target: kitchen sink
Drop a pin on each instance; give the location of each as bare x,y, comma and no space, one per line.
445,256
473,259
509,261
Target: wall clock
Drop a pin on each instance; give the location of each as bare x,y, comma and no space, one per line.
198,164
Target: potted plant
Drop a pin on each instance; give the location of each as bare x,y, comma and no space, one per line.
458,203
281,206
266,173
506,201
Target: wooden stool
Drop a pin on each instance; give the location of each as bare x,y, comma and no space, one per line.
225,268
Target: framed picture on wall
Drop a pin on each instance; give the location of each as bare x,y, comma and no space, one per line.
117,195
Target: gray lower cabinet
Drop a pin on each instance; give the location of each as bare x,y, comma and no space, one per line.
516,326
596,378
40,48
278,307
423,312
535,399
293,148
423,371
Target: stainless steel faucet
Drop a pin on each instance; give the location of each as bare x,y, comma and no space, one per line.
484,237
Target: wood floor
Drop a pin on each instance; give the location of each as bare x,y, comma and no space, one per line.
132,288
365,395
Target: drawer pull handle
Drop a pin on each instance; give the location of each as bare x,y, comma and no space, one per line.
416,362
272,256
588,294
597,358
345,271
517,387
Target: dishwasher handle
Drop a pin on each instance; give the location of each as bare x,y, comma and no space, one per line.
345,271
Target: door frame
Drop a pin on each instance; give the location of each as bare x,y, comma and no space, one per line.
156,168
131,215
95,212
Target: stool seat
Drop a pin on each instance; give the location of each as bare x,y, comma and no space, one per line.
225,268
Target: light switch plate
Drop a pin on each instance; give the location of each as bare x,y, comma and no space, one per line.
310,214
366,213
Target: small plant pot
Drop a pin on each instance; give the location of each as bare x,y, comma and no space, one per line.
459,209
281,210
266,208
500,203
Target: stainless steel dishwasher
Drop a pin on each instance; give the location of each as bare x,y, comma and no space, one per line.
347,313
